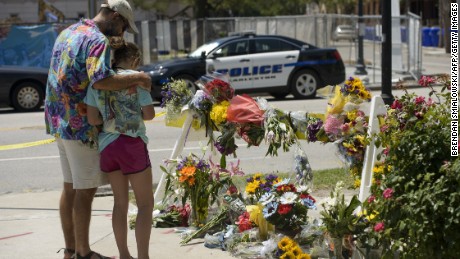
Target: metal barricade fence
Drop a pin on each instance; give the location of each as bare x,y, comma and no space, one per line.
161,39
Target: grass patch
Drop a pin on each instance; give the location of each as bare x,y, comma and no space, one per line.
326,179
323,180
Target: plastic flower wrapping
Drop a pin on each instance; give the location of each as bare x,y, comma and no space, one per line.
346,125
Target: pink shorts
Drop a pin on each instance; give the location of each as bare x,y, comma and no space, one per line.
128,154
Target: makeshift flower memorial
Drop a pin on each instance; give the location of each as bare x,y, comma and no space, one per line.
286,207
199,181
176,95
417,209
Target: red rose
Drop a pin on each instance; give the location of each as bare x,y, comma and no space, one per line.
284,209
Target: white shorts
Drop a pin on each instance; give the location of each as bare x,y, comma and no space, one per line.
80,164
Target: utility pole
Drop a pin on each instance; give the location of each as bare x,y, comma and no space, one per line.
360,65
387,96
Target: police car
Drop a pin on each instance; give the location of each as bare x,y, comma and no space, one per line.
272,64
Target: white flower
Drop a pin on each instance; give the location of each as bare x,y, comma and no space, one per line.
303,188
328,202
269,136
288,198
282,126
156,213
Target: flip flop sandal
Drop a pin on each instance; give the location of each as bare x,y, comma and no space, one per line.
67,251
90,254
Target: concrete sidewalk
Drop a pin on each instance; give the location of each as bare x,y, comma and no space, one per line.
30,228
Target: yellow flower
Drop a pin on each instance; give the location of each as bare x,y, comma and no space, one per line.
352,115
296,250
285,244
304,256
219,112
252,187
361,139
288,255
357,183
257,176
378,169
368,217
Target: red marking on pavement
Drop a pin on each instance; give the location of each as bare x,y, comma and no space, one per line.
28,233
168,231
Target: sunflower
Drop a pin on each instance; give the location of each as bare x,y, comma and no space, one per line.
251,187
288,255
296,250
285,244
304,256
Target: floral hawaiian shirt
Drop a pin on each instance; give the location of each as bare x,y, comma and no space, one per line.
121,111
81,57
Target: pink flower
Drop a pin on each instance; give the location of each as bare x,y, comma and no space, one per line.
345,127
419,100
244,223
386,151
379,227
332,125
396,105
235,169
388,193
371,199
384,128
426,81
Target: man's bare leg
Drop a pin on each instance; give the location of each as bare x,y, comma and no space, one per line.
66,213
82,218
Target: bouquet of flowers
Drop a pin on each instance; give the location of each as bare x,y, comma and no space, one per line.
288,248
176,95
286,206
172,216
257,185
195,179
346,125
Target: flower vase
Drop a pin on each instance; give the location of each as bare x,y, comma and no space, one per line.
200,206
338,247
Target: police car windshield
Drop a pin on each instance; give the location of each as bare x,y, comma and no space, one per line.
206,48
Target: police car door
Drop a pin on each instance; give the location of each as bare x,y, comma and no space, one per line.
232,59
274,60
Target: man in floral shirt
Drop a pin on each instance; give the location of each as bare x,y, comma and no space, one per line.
80,59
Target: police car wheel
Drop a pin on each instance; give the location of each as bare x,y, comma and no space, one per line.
304,84
190,81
